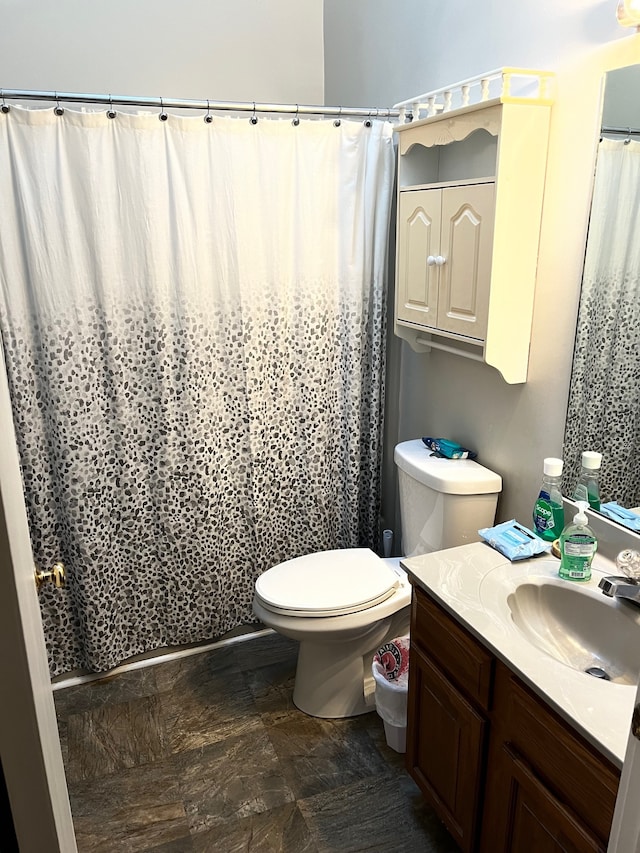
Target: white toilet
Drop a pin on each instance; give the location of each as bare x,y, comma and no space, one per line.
342,605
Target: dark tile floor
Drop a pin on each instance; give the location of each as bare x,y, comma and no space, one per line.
208,753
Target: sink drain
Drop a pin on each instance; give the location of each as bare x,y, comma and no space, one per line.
597,672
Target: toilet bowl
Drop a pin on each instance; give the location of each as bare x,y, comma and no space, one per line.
342,605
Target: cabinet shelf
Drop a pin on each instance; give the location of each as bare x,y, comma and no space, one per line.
461,183
478,298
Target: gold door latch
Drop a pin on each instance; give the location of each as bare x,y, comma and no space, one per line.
54,575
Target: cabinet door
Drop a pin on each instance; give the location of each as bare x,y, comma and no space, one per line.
418,237
585,782
445,749
466,245
534,821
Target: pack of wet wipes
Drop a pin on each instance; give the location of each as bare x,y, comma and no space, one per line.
514,540
447,448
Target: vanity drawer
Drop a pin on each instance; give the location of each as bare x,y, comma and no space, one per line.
468,664
569,766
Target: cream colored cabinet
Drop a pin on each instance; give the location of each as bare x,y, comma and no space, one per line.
470,192
444,257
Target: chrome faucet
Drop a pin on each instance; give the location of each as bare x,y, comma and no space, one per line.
625,586
617,586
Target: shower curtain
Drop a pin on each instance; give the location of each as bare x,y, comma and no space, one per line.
604,397
192,324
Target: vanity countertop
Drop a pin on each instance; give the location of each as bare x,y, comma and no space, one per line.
599,710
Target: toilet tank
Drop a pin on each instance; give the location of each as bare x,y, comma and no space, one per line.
443,502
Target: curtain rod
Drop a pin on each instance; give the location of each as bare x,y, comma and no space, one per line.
205,105
630,131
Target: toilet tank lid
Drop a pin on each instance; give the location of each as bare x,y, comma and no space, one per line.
450,476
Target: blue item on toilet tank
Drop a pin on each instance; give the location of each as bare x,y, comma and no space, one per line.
448,448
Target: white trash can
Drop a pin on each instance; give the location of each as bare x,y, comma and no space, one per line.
390,668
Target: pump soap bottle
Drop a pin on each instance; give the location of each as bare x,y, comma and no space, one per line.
577,547
548,513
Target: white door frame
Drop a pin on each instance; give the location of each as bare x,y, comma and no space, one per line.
625,830
29,741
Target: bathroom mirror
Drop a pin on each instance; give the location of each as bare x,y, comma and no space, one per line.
604,398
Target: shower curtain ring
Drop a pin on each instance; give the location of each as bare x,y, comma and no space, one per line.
338,121
295,121
163,116
5,107
58,110
254,117
208,118
367,121
628,139
111,113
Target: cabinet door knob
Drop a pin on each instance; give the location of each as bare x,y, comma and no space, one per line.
440,260
431,261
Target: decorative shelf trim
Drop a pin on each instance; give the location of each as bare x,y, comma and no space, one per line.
508,85
453,127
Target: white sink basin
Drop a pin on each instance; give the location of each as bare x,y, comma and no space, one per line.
575,623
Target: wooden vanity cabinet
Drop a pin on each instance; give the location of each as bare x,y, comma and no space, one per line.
549,789
502,770
450,680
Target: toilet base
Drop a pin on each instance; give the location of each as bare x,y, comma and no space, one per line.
332,685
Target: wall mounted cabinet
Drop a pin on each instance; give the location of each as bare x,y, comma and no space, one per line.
470,191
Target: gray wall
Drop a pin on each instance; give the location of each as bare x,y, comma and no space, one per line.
375,53
247,50
621,106
380,53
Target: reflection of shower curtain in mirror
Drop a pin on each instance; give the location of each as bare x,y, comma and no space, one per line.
192,322
604,399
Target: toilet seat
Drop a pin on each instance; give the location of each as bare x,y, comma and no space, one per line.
327,583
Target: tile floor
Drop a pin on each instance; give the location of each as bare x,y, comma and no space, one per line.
207,753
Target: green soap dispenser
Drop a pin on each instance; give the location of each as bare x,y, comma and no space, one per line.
578,545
